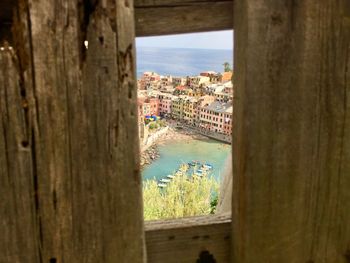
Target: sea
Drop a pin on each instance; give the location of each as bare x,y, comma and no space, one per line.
181,61
175,153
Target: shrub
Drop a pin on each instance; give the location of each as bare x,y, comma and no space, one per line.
182,197
153,125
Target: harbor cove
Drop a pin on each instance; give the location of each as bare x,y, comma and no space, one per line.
175,152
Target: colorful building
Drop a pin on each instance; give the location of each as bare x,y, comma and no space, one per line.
189,109
217,117
165,102
196,81
212,112
202,102
154,106
166,80
177,107
149,80
148,107
226,76
178,81
214,77
223,96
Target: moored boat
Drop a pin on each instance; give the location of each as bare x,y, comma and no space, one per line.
165,180
194,163
207,166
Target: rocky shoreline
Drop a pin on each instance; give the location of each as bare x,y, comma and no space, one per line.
149,155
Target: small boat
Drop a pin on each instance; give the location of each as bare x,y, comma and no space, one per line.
162,185
165,181
170,176
207,166
194,163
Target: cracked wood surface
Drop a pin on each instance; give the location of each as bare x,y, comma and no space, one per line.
17,207
292,135
69,160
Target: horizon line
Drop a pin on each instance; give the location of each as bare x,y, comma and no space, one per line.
183,48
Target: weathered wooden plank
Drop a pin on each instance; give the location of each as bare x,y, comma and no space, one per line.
292,136
164,16
109,95
170,3
18,240
82,117
183,240
184,17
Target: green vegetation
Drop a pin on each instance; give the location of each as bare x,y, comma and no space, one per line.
153,125
182,197
156,124
227,67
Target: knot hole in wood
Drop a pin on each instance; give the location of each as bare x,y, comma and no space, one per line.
206,257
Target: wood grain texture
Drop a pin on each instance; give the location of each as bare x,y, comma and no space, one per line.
184,17
182,240
159,17
84,183
292,138
110,95
158,3
18,239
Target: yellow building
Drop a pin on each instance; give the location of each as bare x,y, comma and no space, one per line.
177,107
189,107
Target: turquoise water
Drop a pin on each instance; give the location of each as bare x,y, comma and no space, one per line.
172,154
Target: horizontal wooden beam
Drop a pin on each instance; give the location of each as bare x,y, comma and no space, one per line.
175,17
153,3
186,238
161,17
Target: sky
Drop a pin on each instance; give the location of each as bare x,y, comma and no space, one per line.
208,40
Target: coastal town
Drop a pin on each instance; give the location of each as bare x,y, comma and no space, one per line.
202,105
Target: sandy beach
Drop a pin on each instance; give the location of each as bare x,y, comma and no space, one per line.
173,134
